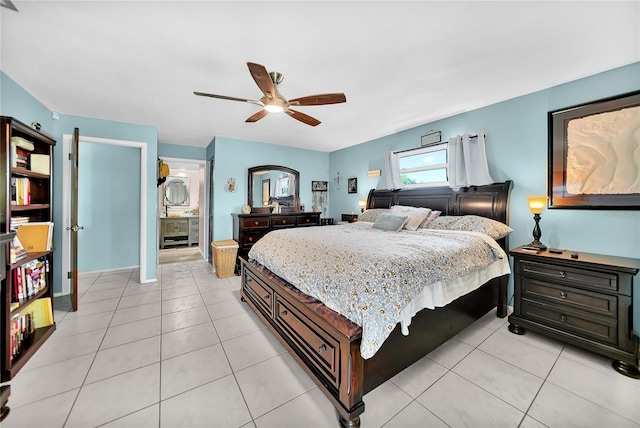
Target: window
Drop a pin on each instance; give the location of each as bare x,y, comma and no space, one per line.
282,186
424,167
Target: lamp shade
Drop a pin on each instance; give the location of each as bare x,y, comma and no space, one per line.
362,203
537,204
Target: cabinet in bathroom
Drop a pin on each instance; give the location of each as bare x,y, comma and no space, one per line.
174,231
178,231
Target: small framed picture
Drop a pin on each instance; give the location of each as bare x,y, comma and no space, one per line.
352,185
319,186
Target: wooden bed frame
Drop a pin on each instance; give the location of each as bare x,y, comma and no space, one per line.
327,345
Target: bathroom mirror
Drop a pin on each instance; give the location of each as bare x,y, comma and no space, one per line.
176,191
272,183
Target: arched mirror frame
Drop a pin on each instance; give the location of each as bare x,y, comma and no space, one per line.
253,170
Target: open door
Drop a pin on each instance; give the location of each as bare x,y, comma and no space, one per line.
73,251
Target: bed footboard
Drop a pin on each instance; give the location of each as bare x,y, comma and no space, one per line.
325,344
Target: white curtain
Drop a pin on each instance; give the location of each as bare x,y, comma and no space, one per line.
468,161
292,184
392,170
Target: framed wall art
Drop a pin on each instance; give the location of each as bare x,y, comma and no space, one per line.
593,154
352,185
319,186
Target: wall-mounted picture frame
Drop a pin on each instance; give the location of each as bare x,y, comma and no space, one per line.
319,186
352,185
591,162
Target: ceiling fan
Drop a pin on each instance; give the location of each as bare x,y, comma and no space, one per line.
273,102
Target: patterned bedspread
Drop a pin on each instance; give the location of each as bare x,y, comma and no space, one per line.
374,277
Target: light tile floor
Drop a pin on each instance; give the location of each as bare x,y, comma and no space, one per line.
186,352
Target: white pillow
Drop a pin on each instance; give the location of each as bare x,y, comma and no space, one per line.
415,216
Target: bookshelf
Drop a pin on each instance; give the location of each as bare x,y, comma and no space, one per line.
26,312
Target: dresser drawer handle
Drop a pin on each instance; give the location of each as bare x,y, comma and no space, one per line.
284,221
563,294
322,348
284,313
561,273
250,239
256,223
266,297
563,318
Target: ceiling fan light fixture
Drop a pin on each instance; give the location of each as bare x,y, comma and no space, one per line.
273,108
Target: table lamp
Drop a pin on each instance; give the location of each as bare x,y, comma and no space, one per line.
536,206
362,203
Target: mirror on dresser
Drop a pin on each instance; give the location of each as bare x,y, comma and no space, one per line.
268,184
176,191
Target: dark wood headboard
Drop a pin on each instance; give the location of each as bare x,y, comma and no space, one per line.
490,201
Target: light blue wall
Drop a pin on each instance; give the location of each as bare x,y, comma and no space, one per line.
516,135
233,158
102,246
181,152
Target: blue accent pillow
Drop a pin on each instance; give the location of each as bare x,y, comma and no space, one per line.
392,222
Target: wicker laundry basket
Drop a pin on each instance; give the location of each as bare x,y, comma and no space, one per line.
224,257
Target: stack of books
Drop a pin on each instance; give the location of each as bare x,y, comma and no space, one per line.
20,151
17,221
16,251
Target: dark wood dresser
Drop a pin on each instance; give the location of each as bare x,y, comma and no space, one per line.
249,228
585,301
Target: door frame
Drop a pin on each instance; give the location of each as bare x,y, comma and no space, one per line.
202,211
66,203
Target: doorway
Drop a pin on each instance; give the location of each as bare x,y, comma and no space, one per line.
110,216
183,248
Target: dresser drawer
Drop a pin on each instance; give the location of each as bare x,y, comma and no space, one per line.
583,324
255,223
597,303
278,222
259,292
318,346
249,238
308,219
566,275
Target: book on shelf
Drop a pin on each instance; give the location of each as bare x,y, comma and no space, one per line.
29,279
20,191
17,221
40,163
38,314
36,236
16,251
20,150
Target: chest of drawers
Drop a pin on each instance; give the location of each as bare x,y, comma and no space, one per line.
249,228
585,301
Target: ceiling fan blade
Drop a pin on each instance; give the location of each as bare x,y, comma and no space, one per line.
256,117
320,99
302,117
224,97
262,79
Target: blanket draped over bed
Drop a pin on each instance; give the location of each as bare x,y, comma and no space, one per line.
378,278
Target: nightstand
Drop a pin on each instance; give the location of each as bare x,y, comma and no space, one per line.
585,301
350,217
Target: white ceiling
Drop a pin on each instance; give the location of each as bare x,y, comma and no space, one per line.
400,64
